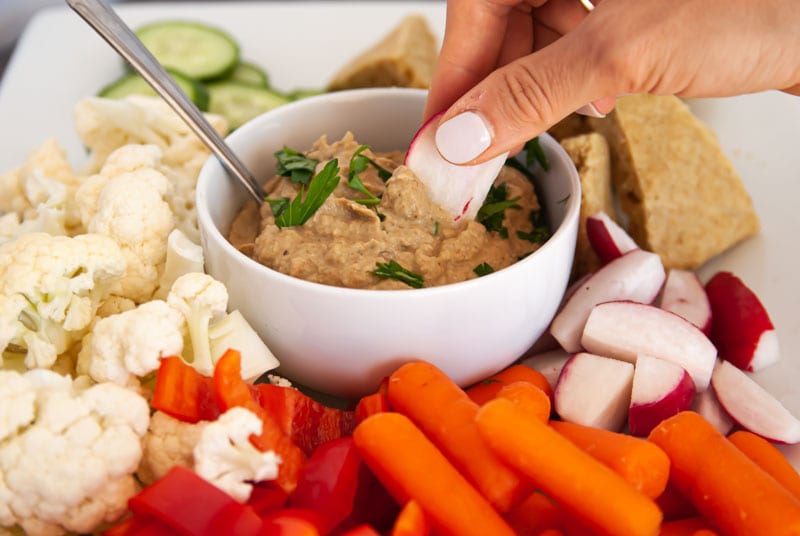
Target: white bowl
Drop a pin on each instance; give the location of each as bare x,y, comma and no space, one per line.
344,341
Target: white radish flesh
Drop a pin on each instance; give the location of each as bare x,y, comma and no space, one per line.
607,238
549,364
661,389
685,296
706,404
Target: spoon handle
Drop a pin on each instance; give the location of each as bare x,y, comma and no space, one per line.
100,16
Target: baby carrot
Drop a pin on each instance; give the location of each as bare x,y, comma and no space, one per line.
639,462
441,409
411,467
583,486
411,521
534,515
686,527
528,397
727,487
486,390
674,504
769,458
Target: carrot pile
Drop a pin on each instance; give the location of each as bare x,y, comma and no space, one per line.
489,460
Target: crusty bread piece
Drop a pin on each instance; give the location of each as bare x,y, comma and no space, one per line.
682,197
591,156
572,125
406,57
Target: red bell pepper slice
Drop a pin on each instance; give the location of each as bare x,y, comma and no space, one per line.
291,522
184,393
411,521
362,530
192,506
139,525
302,418
372,404
232,391
267,497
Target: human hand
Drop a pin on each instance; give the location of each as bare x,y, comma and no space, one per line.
516,67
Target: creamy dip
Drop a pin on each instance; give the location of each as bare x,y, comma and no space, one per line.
344,240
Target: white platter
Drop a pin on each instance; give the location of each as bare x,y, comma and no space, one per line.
60,60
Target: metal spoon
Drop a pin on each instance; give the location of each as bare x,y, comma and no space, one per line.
100,16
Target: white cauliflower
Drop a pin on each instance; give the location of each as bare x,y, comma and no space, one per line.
106,124
50,288
67,452
183,257
126,201
169,442
226,458
130,345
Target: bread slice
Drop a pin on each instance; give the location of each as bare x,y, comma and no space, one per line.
590,154
679,192
405,57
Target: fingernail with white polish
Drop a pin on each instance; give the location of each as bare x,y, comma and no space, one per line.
589,110
463,137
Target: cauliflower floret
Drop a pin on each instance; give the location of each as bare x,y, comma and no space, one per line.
226,458
183,257
106,124
50,288
67,452
128,345
126,201
169,442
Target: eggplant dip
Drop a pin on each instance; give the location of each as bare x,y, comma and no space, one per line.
342,215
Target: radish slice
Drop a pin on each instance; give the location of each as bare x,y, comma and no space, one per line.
708,406
624,330
685,296
607,238
637,275
549,364
661,389
752,406
741,327
594,391
460,190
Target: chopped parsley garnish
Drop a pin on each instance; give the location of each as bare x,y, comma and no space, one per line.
295,165
305,204
490,381
493,210
534,153
381,215
358,164
519,166
393,270
383,173
436,228
483,269
540,232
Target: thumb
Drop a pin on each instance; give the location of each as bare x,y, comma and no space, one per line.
520,101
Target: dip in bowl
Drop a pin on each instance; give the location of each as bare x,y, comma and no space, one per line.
343,341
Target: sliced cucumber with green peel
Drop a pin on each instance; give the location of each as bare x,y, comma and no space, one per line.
196,50
250,74
240,102
133,84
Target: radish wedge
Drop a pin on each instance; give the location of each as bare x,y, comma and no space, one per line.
594,391
637,276
625,330
549,363
661,389
607,238
741,327
460,190
685,296
707,405
752,406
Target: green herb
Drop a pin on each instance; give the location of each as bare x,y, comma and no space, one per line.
304,205
483,269
540,231
295,165
534,152
393,270
519,166
381,215
490,381
383,173
493,210
358,164
436,228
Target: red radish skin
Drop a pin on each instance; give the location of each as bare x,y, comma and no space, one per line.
637,276
741,328
661,389
685,296
455,188
753,407
607,238
549,364
595,391
625,330
706,404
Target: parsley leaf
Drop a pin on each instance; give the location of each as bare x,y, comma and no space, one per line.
493,210
540,232
304,205
519,166
358,164
383,173
393,270
534,152
483,269
295,165
436,228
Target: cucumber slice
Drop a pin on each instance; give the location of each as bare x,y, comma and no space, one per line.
239,102
133,84
298,94
250,74
196,50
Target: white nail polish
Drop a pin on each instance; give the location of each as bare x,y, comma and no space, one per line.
589,110
463,137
